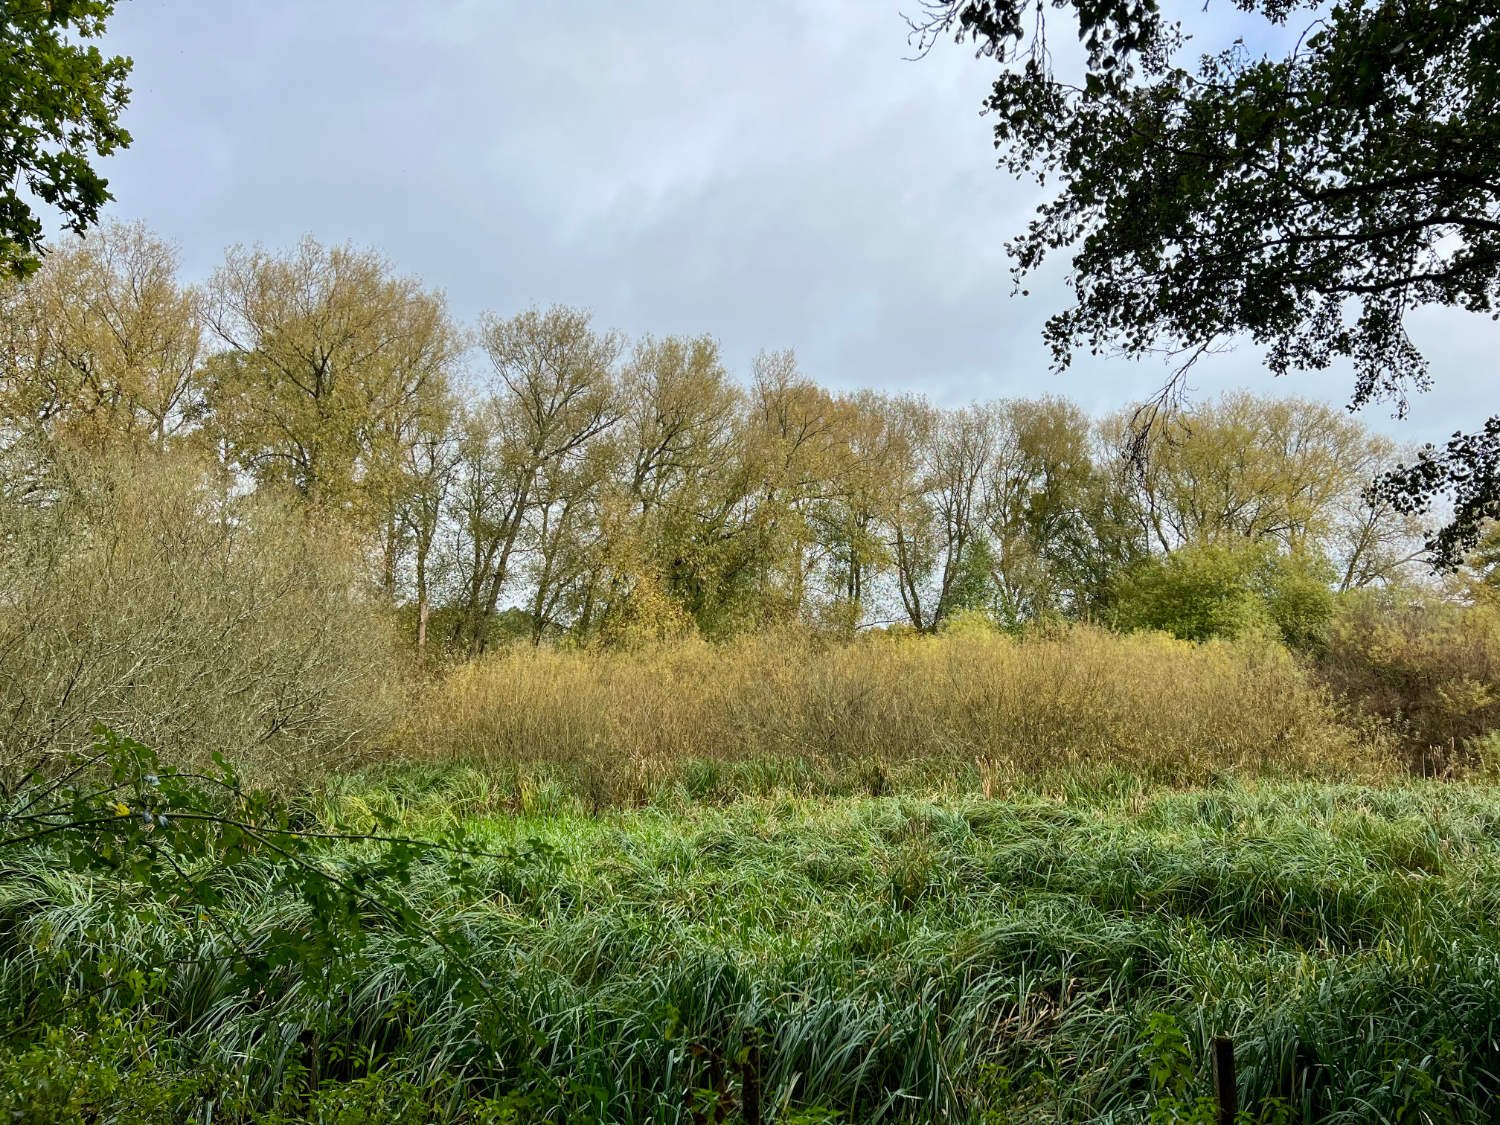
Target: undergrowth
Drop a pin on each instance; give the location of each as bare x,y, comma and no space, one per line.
1065,952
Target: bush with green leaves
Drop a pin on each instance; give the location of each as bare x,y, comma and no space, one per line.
1233,589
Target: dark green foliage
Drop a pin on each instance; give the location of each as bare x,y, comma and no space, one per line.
1308,202
1468,467
104,1073
167,847
971,586
60,103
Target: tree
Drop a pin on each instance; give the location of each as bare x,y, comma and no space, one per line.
60,103
1307,202
102,345
679,408
961,454
796,446
914,422
1233,589
1060,524
863,501
428,471
939,541
331,366
671,509
554,391
1288,472
565,534
1251,467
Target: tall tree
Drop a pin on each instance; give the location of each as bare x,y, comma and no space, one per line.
797,442
331,362
103,345
428,474
865,497
962,453
1247,467
679,410
1266,482
553,391
913,539
565,534
1058,521
676,446
1289,471
60,104
1308,201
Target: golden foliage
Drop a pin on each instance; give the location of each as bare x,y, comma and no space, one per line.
1429,669
1073,698
140,593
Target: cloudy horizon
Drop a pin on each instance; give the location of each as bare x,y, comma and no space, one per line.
782,177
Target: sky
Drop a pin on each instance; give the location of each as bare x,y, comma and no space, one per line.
779,175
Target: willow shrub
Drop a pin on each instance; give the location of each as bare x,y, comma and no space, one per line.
142,594
1427,669
981,706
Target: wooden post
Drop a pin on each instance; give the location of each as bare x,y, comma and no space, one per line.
1226,1091
750,1109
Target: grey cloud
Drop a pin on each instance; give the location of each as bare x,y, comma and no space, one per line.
775,174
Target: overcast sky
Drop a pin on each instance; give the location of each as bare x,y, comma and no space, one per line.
776,174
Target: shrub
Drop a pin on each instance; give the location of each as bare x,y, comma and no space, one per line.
1071,698
1428,668
1232,590
69,1076
145,595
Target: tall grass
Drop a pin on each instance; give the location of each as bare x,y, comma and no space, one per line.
871,959
986,703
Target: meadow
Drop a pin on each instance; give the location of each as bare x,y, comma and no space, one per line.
969,876
965,878
1058,953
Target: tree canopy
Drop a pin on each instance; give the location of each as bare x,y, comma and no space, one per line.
60,104
1307,201
562,482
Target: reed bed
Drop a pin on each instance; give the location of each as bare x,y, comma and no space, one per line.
984,706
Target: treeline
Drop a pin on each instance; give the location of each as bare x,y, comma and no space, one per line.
536,476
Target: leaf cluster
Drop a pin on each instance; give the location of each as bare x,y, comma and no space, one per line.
1307,202
60,103
175,846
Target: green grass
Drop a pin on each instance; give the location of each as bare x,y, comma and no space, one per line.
852,958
